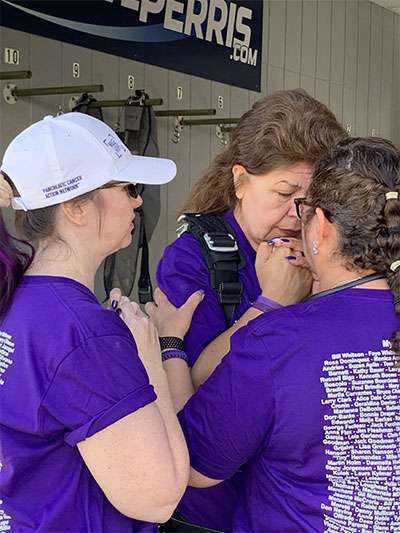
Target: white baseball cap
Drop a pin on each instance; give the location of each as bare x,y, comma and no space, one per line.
60,158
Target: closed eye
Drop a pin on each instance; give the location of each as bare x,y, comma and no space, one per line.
285,194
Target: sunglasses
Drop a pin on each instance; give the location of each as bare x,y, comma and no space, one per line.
132,189
301,202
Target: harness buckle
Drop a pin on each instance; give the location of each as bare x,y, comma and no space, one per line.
230,292
221,242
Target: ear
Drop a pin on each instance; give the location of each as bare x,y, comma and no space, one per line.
323,229
238,172
76,212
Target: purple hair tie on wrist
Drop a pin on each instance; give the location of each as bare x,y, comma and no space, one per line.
173,354
265,304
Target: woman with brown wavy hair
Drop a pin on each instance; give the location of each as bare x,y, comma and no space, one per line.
308,397
251,186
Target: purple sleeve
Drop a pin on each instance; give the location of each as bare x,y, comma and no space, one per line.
182,271
231,415
97,384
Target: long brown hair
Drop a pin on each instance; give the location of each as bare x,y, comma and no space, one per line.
282,129
351,183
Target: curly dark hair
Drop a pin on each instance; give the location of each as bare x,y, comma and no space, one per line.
351,183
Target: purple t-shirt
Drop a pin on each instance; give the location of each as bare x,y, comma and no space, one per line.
69,368
182,271
309,399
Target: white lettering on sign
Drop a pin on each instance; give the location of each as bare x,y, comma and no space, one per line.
220,21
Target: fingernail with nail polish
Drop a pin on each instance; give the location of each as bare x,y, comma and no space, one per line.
278,240
118,311
291,257
114,304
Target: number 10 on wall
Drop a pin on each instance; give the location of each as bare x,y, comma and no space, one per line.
11,56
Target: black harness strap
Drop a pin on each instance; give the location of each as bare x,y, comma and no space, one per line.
222,255
145,289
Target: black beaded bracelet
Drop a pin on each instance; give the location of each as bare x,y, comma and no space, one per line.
168,343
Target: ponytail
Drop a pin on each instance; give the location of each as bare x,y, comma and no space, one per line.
391,214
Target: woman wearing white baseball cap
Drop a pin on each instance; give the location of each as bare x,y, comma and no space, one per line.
87,443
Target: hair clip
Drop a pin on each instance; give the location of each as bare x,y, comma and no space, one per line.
395,265
392,195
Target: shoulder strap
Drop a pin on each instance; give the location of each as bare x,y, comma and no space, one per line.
222,255
145,289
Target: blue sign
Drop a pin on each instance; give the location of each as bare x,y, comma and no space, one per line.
219,40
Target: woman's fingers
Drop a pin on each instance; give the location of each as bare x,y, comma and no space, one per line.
172,321
277,277
192,302
115,297
150,308
289,242
159,297
128,310
296,258
264,251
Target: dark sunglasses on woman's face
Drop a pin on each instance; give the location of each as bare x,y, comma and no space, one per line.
131,188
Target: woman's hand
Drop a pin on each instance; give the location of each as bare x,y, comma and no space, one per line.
169,320
294,247
284,280
142,328
145,334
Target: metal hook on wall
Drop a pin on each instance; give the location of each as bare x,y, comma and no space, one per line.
11,92
222,126
209,121
176,134
123,103
185,112
15,75
179,114
223,133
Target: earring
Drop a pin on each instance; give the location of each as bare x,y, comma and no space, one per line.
314,248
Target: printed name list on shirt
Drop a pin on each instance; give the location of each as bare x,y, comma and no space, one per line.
362,441
7,348
5,519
